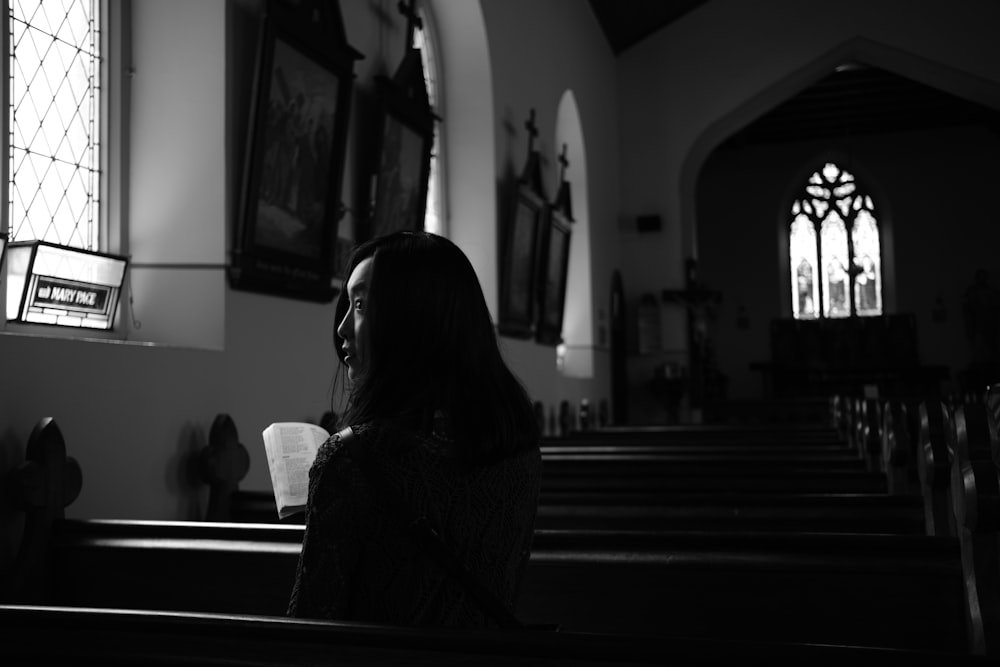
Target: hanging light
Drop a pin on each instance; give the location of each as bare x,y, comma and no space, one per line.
69,287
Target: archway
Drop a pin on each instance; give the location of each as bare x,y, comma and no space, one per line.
578,318
468,137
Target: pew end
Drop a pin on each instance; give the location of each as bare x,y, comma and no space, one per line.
222,465
975,493
934,459
42,487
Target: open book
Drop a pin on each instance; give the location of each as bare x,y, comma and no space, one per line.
291,448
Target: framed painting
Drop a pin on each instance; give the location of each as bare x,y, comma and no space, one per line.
519,264
552,278
402,173
290,205
401,138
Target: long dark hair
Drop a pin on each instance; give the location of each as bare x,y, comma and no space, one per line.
431,346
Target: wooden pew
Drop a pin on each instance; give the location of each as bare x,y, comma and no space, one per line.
868,438
749,434
708,458
934,462
839,589
975,493
613,446
598,473
767,512
774,512
54,635
707,479
899,450
847,589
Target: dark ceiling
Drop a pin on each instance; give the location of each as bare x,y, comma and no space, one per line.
853,100
626,22
859,100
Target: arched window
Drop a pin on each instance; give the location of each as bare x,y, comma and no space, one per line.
424,40
834,250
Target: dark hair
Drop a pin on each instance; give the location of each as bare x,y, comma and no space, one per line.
432,346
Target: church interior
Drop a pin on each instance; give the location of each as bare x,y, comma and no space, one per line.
693,135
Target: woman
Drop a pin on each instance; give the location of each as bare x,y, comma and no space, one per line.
438,428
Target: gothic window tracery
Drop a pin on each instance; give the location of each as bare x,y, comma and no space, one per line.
834,249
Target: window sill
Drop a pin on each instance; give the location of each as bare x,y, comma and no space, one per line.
55,333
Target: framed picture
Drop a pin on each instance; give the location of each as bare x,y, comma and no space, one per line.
290,206
552,278
519,263
401,178
401,138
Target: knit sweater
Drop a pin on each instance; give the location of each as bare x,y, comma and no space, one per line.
358,560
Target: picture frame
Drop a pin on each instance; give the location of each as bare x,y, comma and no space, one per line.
553,274
402,174
402,140
290,205
519,262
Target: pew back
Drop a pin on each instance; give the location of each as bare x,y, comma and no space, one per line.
841,589
53,635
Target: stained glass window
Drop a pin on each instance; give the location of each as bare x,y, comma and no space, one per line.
433,216
868,285
54,115
835,260
805,287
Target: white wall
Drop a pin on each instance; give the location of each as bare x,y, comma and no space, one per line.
178,167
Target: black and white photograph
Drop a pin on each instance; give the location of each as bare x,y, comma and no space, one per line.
488,333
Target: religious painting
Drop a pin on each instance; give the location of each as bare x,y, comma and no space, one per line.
298,128
519,264
552,279
290,208
397,152
401,179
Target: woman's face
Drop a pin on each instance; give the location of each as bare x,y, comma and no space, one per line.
352,328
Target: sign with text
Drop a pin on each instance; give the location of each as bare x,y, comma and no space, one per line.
70,295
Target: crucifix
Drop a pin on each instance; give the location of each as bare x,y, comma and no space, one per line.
563,163
532,131
698,301
413,21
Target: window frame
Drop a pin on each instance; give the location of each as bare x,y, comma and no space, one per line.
115,75
437,167
798,208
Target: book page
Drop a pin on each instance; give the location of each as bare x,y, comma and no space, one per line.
291,448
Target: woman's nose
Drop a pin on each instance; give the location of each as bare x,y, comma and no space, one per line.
344,330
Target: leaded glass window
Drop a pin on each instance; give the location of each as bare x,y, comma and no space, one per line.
423,40
54,121
805,287
835,258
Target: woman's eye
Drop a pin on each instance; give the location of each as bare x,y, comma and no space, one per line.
358,304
